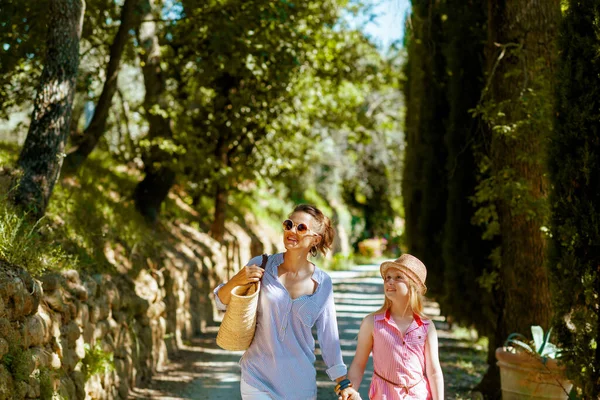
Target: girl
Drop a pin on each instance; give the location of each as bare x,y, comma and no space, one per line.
294,297
403,341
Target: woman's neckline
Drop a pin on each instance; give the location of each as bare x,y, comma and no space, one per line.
312,278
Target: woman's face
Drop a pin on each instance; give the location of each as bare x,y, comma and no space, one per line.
295,240
396,284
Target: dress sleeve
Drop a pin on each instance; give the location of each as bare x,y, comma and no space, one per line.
329,339
218,303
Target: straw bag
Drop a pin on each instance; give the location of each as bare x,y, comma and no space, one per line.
239,323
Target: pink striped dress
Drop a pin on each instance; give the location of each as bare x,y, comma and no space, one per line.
399,361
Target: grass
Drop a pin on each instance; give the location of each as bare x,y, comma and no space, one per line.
23,241
91,223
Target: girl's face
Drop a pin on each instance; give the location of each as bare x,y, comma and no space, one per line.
396,284
300,239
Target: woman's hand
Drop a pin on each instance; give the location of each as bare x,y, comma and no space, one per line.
248,274
349,394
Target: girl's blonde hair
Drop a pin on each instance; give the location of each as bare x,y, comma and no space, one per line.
415,299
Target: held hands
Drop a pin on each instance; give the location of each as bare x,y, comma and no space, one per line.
345,391
248,274
349,394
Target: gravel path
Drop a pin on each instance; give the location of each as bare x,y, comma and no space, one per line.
203,371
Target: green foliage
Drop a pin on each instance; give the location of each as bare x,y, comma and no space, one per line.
23,29
539,346
362,260
96,360
18,361
250,109
372,248
251,53
46,378
21,51
338,262
575,197
250,87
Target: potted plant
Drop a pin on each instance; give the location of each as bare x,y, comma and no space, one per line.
529,370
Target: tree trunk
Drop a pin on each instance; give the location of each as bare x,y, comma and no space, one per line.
86,144
42,154
147,196
518,157
152,190
217,229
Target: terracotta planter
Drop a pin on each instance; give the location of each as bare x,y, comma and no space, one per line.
523,376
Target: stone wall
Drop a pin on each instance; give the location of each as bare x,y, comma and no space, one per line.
49,325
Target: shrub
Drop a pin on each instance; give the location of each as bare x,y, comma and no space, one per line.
372,248
96,360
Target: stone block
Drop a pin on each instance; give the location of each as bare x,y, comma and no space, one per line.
35,331
6,383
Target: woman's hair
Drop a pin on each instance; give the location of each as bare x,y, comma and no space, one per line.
415,300
322,227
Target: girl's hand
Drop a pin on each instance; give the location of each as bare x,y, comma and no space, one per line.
248,274
349,394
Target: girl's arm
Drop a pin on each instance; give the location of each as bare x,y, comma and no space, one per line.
364,346
433,368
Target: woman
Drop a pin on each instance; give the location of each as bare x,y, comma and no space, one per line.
295,295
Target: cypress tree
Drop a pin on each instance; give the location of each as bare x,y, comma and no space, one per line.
574,162
424,183
465,252
520,111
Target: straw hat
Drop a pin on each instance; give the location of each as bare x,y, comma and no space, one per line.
411,266
239,323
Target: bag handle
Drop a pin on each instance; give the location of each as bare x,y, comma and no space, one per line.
264,261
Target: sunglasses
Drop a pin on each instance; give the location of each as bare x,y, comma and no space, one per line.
301,228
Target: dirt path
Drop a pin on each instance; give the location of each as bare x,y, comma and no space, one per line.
202,371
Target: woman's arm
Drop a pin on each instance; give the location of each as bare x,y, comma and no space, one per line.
329,338
364,346
433,368
329,341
